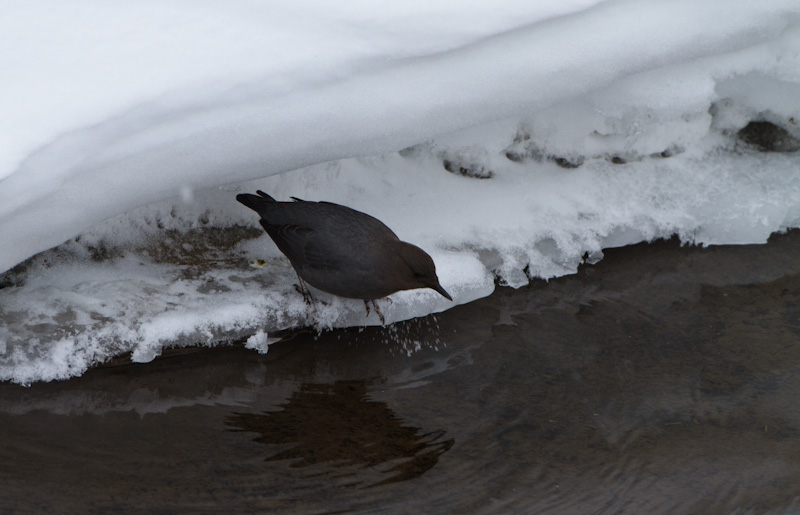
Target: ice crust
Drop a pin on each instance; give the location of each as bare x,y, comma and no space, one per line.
510,143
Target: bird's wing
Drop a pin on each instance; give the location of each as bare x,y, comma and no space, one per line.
300,245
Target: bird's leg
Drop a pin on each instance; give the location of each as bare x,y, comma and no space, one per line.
303,290
377,310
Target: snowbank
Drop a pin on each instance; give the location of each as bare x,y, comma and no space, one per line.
510,142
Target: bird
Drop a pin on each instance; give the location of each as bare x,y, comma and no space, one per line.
342,251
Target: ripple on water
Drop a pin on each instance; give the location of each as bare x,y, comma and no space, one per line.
661,380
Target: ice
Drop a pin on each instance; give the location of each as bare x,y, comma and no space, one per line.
259,341
510,142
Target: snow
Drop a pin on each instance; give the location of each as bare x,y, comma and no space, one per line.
508,141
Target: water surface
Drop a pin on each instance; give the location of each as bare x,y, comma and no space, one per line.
664,379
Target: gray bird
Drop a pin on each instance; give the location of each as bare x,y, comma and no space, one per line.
343,251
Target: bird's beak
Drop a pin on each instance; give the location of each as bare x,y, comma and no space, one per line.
441,291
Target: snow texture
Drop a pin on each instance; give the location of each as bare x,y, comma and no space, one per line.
510,142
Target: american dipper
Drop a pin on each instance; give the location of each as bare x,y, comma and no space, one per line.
343,251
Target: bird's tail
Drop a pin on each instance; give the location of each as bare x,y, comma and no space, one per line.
255,202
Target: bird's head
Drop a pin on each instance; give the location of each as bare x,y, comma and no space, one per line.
421,269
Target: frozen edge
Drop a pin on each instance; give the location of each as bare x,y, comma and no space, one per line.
220,140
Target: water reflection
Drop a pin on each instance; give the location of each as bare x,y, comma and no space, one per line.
662,380
339,425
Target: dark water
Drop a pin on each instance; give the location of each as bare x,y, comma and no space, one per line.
662,380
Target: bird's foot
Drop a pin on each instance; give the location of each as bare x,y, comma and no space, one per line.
377,310
309,300
303,290
305,293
